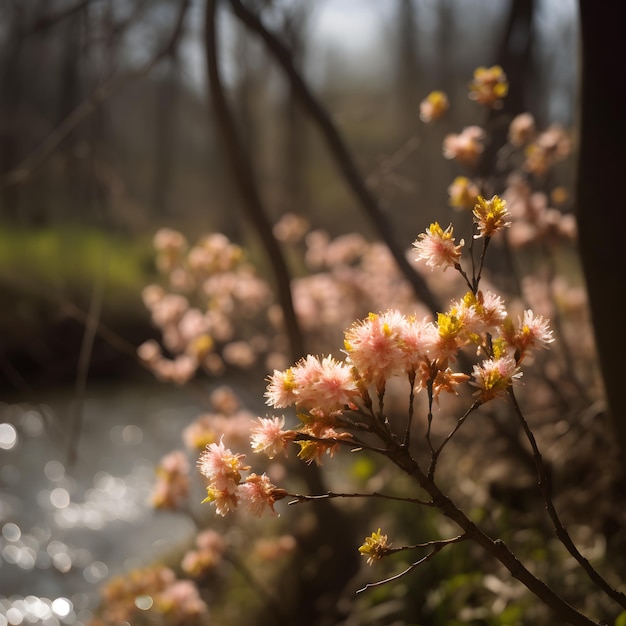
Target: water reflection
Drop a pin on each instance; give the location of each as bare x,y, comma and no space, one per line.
64,531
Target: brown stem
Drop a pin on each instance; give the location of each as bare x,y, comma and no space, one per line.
437,547
339,150
299,498
435,453
497,548
561,531
84,359
59,15
246,184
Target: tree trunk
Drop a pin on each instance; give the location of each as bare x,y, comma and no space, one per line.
601,165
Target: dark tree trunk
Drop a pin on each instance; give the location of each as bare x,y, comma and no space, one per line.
514,56
166,131
601,213
10,96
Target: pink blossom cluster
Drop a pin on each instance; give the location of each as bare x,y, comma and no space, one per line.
227,489
172,481
216,312
535,220
347,275
211,314
390,344
465,147
528,157
228,421
152,594
207,554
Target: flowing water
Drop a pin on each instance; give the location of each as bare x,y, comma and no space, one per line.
64,530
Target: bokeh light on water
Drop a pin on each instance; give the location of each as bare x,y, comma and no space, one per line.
63,531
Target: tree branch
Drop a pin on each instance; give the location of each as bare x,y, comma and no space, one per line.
561,531
299,498
339,150
246,184
437,546
496,548
44,22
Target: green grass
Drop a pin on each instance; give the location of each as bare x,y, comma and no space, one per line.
69,261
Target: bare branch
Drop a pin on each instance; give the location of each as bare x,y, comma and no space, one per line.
400,456
84,359
428,544
561,532
435,453
300,498
246,184
438,546
339,151
44,22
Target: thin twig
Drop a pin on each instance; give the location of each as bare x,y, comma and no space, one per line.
435,453
86,348
561,532
245,181
300,498
481,264
339,150
409,423
496,548
353,443
427,544
429,388
437,547
390,163
460,270
54,17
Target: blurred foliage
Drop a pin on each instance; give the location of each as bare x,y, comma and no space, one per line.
72,258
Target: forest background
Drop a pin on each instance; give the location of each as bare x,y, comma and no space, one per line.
108,134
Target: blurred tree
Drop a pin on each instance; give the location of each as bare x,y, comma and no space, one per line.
166,134
407,66
601,165
293,196
514,54
13,19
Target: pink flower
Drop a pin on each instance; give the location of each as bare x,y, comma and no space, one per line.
494,376
281,390
522,129
533,332
181,601
327,385
466,147
172,485
224,500
433,106
374,346
268,436
221,467
489,86
490,307
490,216
417,339
314,449
462,193
437,247
258,495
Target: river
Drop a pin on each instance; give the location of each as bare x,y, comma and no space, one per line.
63,531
